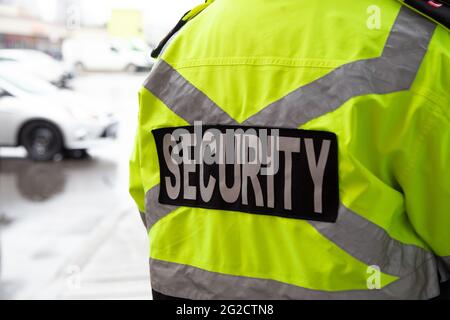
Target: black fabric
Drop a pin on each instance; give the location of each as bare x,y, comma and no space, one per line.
445,292
159,296
301,190
440,14
157,51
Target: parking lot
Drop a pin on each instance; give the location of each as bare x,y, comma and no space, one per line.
69,228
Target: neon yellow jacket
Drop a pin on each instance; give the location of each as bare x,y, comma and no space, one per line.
377,75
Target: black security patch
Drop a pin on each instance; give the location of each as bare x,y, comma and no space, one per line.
437,10
272,171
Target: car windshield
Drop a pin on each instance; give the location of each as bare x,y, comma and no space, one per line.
27,83
25,55
40,57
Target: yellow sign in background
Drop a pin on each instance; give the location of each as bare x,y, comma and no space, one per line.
125,23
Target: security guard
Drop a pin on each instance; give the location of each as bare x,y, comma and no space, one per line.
298,150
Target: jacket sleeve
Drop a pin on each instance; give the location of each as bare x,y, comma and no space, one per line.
427,185
136,187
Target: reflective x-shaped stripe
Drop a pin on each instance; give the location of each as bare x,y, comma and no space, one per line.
395,70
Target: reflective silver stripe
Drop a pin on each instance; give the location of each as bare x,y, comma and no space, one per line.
394,71
182,97
154,209
357,236
371,244
193,283
144,219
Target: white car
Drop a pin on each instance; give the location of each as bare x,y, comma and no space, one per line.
48,121
103,55
40,64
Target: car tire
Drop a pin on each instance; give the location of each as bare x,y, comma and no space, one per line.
42,140
131,68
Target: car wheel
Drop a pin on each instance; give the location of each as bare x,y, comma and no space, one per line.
42,140
131,68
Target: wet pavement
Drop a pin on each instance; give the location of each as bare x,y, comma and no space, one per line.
69,230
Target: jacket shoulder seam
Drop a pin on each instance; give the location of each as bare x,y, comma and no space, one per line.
259,61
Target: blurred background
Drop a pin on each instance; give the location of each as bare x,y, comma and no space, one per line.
70,71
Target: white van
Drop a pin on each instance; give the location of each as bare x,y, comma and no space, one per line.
93,54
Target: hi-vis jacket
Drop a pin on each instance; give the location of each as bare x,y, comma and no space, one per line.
355,97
